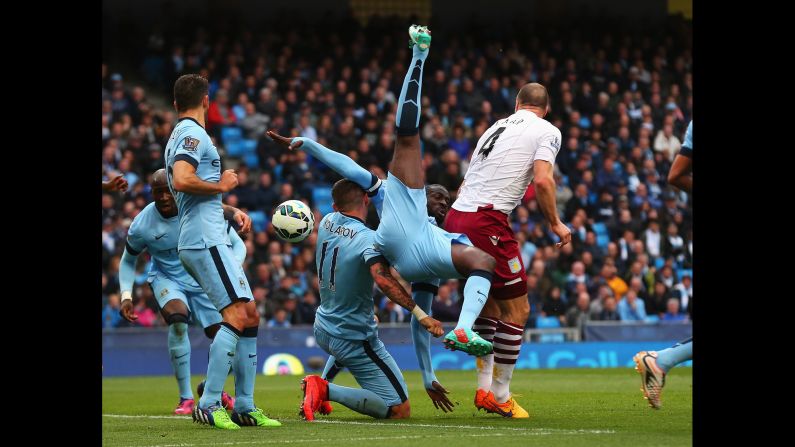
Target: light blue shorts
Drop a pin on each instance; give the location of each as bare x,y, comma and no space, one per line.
417,249
199,304
219,273
371,365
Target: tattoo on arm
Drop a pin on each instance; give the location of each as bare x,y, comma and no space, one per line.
390,286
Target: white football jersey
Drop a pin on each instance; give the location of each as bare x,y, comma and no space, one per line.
502,162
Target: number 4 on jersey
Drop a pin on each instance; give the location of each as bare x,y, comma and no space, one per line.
488,145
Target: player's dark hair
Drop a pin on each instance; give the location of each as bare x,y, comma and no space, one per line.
533,94
346,194
189,90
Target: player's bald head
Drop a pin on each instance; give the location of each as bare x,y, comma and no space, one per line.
533,95
159,179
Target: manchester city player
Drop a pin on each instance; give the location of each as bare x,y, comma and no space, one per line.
156,229
345,327
193,170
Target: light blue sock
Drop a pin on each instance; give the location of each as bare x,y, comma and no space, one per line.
331,369
245,370
676,354
222,354
179,350
476,292
359,400
407,119
423,295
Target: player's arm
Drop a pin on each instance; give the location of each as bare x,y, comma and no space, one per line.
242,219
423,294
127,274
118,183
185,180
379,269
238,246
679,175
339,163
545,194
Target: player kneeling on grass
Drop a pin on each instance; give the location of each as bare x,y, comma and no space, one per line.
345,327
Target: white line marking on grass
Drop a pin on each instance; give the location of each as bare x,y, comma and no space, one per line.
541,432
144,416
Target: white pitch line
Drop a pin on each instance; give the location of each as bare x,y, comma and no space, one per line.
538,430
378,438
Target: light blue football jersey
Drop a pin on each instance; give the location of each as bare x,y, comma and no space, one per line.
160,235
201,217
343,256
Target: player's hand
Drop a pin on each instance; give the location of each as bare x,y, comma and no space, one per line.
433,326
127,311
284,141
243,221
437,393
118,183
228,180
563,232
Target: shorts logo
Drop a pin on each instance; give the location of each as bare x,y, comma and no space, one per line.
514,264
242,283
494,239
163,293
190,144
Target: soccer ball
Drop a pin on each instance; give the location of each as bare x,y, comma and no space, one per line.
293,221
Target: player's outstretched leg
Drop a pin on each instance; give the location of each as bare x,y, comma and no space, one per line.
406,160
478,267
654,366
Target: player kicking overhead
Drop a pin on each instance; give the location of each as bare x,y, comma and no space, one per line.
345,327
653,366
419,250
156,228
513,152
422,292
193,169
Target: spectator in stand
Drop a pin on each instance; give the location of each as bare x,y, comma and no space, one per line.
672,312
220,113
632,308
609,312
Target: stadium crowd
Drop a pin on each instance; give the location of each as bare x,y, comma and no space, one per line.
621,100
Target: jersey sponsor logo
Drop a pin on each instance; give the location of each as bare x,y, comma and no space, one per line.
494,239
514,264
190,144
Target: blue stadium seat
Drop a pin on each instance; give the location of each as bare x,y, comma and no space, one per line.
652,319
549,322
659,262
251,159
235,148
600,228
602,240
682,272
321,197
259,220
230,134
249,146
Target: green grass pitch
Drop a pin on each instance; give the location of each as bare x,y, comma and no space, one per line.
568,407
